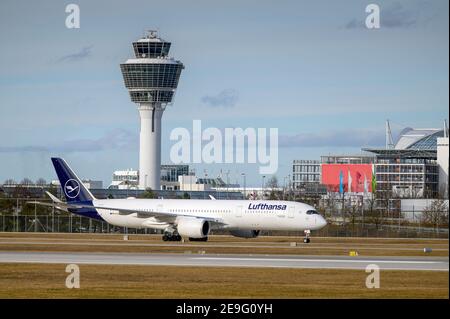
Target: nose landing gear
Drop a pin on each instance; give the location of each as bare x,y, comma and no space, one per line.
306,240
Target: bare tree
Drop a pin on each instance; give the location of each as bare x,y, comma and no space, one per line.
26,181
41,182
374,215
436,214
10,182
272,183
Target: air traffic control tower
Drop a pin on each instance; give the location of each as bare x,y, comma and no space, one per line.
151,78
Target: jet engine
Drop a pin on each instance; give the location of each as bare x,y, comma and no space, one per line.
193,227
245,233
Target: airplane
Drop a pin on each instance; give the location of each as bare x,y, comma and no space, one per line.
182,218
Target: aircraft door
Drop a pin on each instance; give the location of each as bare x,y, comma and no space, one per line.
239,211
291,211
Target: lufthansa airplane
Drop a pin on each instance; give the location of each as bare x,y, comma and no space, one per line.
179,218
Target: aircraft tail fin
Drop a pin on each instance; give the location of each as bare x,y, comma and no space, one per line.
72,187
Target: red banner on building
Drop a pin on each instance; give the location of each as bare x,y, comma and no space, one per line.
356,177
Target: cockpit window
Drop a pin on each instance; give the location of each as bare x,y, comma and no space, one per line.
312,212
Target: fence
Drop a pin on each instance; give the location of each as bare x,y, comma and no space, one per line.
18,216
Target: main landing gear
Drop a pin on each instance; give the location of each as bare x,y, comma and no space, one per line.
306,240
171,237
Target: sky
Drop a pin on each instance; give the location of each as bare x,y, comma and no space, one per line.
309,68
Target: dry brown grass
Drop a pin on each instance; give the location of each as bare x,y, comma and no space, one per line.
219,250
48,281
219,244
230,239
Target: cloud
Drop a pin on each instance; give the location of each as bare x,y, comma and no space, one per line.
394,15
344,138
84,53
116,139
226,98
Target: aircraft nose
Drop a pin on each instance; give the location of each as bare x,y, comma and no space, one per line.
321,222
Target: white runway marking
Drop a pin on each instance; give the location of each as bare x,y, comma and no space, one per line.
320,260
329,262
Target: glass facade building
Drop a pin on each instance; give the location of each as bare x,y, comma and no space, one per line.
304,172
170,173
410,169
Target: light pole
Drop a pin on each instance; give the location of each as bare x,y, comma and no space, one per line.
35,217
228,182
206,182
263,177
245,191
289,186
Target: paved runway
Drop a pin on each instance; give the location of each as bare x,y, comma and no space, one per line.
284,261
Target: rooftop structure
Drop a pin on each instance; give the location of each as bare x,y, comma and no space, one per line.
409,168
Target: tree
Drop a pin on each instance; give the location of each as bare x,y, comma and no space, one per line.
7,205
41,182
186,195
272,183
10,182
371,214
26,181
436,214
148,193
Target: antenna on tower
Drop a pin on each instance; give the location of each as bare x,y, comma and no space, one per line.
152,34
389,140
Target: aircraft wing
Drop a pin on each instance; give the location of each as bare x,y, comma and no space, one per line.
164,217
160,216
58,205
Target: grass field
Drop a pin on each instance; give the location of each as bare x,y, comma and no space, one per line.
48,281
221,244
113,281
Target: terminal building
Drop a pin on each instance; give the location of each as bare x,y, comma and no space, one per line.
129,178
306,177
410,169
416,166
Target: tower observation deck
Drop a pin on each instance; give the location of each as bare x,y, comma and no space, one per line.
151,79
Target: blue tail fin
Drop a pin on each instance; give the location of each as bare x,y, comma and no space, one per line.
72,187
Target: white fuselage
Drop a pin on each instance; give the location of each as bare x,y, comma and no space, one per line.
235,214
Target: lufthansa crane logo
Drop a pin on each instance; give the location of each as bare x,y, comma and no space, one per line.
72,188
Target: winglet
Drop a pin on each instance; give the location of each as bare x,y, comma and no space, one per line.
212,197
53,198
